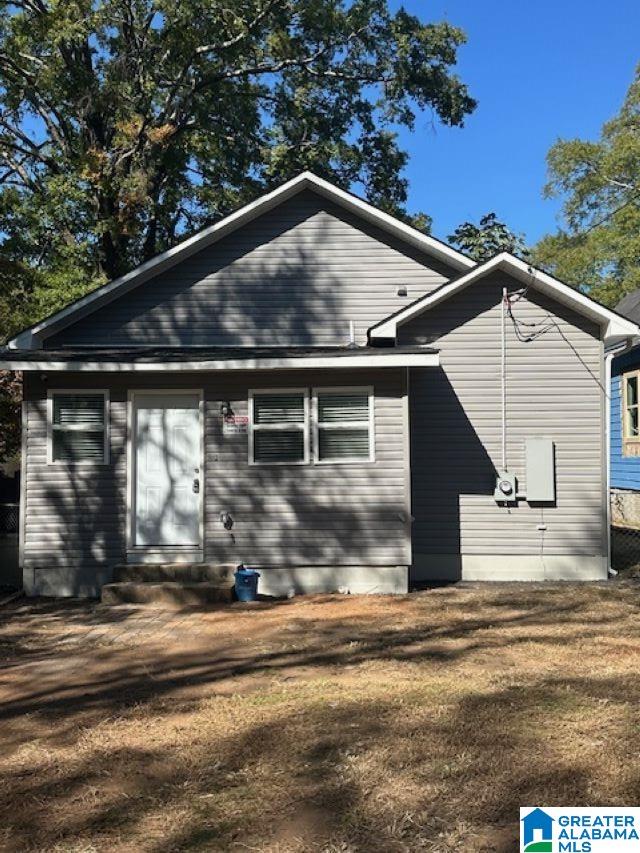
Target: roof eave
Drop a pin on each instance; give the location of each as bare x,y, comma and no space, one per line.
614,326
357,360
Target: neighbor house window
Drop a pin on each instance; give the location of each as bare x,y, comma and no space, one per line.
630,415
279,427
77,422
343,424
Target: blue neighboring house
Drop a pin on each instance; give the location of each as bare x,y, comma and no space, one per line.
625,427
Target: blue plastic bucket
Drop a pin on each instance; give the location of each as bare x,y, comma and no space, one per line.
246,584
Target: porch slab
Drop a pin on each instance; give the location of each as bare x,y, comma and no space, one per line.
221,573
167,594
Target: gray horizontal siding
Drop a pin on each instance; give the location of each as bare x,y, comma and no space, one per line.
552,390
74,515
297,275
348,514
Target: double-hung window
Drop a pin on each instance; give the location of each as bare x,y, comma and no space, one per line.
278,433
78,426
287,427
343,424
631,413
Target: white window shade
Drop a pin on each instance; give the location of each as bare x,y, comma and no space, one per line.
278,408
337,407
344,425
279,427
279,446
78,428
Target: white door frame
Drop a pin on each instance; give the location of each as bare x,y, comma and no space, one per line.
158,553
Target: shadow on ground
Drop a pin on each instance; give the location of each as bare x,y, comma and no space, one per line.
422,722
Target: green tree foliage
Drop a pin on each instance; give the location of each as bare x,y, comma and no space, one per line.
598,249
26,293
487,239
10,420
125,124
17,288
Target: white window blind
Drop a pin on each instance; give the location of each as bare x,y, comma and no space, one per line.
343,425
279,427
78,427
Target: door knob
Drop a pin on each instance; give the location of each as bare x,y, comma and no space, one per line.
196,485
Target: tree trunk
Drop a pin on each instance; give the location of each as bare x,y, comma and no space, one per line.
149,248
112,247
110,261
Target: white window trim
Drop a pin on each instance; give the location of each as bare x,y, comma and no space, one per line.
368,424
627,438
304,426
51,392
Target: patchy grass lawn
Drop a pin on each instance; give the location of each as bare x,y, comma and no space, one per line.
321,724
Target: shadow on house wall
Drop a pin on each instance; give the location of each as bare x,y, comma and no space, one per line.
448,460
295,276
10,574
285,515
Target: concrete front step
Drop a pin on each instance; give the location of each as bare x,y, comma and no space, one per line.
167,593
220,573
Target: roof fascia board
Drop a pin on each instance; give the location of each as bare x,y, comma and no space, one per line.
391,359
391,225
615,327
32,338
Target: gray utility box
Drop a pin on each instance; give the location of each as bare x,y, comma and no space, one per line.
540,470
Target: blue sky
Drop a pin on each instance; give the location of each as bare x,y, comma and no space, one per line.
539,71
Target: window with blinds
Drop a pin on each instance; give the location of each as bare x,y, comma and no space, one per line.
282,423
343,424
78,426
279,427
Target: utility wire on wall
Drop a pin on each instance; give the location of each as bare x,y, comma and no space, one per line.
528,332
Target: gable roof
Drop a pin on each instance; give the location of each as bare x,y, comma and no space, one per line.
629,306
615,326
32,337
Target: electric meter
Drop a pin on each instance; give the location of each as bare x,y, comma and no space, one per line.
506,487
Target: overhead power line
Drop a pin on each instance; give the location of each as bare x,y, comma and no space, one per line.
604,219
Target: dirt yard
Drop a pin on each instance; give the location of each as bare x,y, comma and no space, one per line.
331,723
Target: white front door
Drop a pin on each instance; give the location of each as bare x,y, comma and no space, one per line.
168,482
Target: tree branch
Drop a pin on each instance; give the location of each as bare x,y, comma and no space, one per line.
250,27
18,169
304,63
57,132
29,148
17,69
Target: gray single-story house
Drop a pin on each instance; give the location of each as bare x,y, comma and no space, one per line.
314,388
